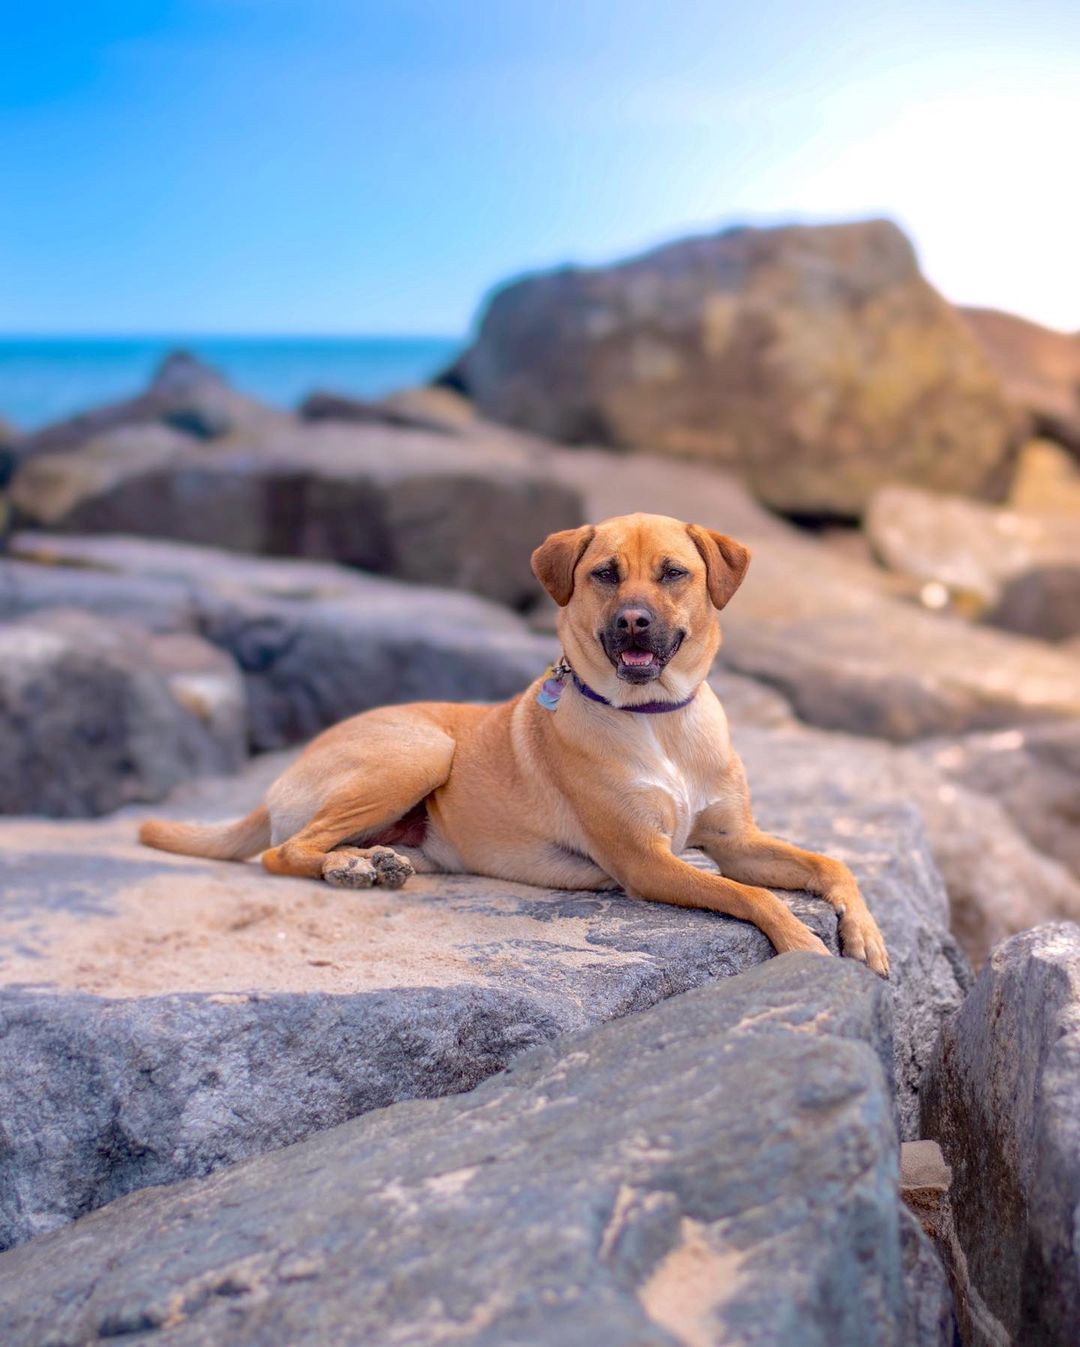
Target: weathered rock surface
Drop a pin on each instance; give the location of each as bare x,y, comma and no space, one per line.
94,715
1039,368
185,394
612,1188
997,882
925,1180
163,1016
816,360
1034,774
1022,571
418,505
315,642
1003,1098
827,632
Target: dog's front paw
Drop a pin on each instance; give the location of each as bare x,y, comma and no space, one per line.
860,939
349,871
799,937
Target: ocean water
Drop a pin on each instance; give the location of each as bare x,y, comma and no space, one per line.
45,378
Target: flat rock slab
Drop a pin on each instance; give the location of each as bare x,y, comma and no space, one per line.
163,1015
315,642
722,1168
462,511
1003,1098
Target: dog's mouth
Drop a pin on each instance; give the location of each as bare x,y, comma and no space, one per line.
640,663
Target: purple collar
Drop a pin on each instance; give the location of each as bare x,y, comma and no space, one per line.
641,709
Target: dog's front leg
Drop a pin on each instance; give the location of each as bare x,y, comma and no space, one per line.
753,857
647,868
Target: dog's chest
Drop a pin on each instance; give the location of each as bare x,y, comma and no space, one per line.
687,785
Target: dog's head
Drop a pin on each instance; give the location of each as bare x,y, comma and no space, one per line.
639,596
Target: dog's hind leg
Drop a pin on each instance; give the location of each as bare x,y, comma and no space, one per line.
365,782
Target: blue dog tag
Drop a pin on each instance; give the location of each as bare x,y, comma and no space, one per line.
550,692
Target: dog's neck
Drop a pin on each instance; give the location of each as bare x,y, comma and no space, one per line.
562,670
641,708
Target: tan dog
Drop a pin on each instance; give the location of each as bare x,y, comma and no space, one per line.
566,785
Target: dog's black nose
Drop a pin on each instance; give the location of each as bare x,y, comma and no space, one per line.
633,619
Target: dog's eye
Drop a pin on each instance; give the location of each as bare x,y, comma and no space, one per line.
674,573
607,575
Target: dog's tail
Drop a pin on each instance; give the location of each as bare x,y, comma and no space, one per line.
217,841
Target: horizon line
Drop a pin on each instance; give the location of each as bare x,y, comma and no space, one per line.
238,335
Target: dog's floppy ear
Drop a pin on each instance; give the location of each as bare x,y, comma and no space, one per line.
555,560
725,562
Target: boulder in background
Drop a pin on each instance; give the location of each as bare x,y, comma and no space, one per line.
816,360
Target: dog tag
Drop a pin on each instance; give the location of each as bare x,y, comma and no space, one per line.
550,692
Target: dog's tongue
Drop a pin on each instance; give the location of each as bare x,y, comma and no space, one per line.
637,657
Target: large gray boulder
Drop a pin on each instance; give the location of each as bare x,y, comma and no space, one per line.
722,1168
814,359
96,714
166,1015
456,511
315,642
1003,1098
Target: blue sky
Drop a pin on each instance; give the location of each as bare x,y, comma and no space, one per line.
323,166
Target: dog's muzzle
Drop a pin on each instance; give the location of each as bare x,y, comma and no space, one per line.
638,644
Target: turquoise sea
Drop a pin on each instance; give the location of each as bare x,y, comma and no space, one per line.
44,378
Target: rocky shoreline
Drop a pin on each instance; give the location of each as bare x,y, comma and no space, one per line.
236,1109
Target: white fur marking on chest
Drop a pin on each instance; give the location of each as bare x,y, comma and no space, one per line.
659,771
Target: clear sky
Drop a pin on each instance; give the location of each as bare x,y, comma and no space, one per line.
332,166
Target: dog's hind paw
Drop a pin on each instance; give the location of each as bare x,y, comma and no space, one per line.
345,870
362,867
391,868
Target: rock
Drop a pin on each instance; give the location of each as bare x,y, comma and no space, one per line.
814,359
924,1178
1047,480
956,1315
826,793
277,1008
323,406
749,703
1042,602
184,393
460,513
997,883
157,603
315,642
95,714
931,1313
1039,368
1034,774
827,631
435,405
612,1188
1003,1098
988,559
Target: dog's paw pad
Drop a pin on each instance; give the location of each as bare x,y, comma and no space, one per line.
349,872
391,869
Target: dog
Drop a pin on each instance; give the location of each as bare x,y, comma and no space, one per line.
596,777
